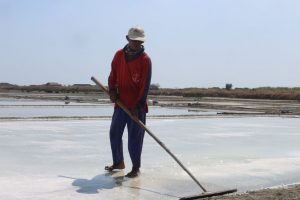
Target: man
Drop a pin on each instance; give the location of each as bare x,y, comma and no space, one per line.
129,82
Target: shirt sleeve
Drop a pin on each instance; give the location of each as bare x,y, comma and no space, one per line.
146,80
112,79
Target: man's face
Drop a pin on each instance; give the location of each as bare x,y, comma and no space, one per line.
135,44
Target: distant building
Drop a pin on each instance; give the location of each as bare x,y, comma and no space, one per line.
82,85
6,85
53,84
155,86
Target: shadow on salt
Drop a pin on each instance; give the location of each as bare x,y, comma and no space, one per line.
108,181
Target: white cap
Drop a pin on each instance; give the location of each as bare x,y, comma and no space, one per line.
136,33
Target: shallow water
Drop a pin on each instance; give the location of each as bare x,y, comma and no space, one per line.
30,108
65,159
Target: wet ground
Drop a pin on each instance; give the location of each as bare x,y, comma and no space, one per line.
63,159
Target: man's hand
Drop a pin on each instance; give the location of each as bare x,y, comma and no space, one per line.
135,111
113,95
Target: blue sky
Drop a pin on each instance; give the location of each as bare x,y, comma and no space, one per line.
192,43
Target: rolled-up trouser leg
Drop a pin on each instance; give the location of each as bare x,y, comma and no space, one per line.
135,139
116,132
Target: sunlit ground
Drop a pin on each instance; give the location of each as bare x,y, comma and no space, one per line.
65,159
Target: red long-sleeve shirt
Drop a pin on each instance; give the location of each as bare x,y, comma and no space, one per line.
131,78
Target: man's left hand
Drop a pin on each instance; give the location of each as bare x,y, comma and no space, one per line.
135,111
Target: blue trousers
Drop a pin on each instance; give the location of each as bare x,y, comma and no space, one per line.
135,137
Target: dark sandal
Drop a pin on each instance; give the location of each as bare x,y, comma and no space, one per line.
109,168
134,173
121,165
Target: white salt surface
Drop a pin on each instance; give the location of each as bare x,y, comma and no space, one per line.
65,159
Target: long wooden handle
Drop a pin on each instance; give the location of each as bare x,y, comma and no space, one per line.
150,133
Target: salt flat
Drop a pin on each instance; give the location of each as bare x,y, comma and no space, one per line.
65,159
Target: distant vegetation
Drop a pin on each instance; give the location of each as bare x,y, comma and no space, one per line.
51,88
279,93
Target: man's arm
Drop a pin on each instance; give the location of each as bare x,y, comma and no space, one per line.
145,84
112,80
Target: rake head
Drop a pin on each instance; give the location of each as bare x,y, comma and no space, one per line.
208,194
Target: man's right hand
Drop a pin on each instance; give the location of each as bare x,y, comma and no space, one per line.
113,95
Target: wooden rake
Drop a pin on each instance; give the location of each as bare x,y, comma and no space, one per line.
199,196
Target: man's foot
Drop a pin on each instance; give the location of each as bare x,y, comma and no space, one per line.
121,165
134,173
